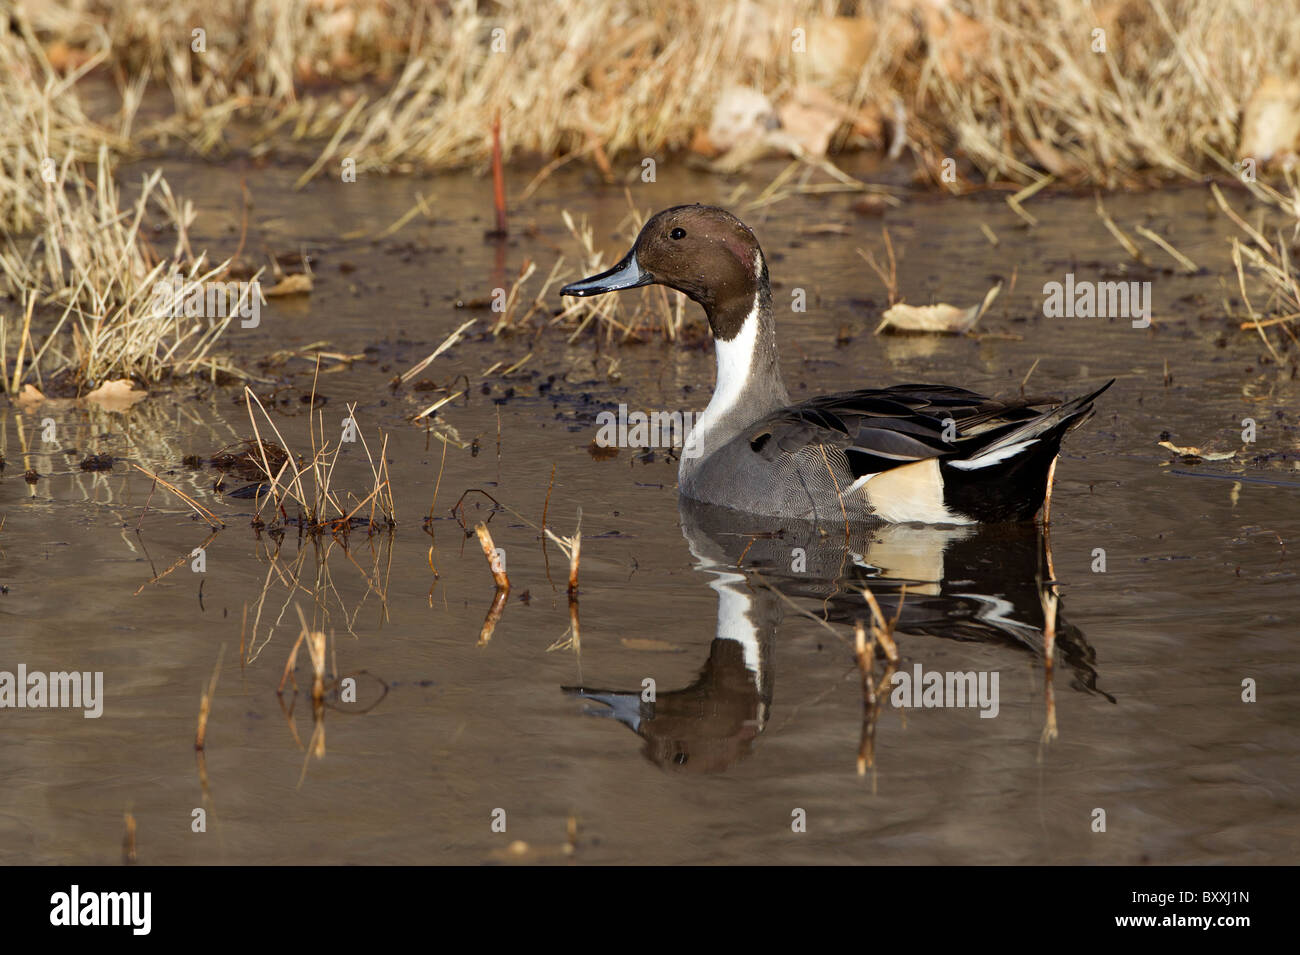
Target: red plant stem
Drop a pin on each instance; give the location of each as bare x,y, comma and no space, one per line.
498,175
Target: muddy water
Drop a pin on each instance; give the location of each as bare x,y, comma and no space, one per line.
759,710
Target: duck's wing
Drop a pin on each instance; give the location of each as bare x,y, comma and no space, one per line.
879,429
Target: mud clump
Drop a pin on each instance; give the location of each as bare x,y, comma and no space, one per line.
244,460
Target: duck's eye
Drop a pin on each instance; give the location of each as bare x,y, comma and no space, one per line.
678,233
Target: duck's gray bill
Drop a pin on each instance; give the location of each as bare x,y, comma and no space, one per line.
627,274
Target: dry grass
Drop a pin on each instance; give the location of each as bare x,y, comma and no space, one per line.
1269,259
1016,86
74,256
1174,77
322,508
1275,270
91,270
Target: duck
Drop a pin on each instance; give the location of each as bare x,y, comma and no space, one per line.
904,454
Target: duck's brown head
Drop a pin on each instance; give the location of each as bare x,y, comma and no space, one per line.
702,251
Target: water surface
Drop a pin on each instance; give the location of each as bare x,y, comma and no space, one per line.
1198,592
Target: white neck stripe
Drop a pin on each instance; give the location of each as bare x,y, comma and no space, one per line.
735,366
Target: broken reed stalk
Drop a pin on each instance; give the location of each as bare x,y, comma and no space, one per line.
205,703
573,563
495,563
1027,193
493,616
882,630
316,648
572,547
1121,237
447,342
207,515
1050,601
882,633
865,651
179,560
1047,496
1186,264
128,840
289,665
574,629
315,641
866,654
872,692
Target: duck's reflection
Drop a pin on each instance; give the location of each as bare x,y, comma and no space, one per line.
984,583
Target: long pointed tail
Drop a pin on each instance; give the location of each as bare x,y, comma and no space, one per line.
1051,424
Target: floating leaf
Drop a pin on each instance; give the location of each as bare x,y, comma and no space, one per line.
116,395
297,284
943,318
1197,454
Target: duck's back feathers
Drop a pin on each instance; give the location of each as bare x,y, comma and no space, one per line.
986,459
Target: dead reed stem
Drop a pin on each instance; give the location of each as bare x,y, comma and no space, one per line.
1050,602
202,511
128,841
205,702
873,693
493,616
572,548
447,342
495,559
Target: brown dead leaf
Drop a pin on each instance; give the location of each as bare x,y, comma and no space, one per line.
116,395
297,284
1270,124
942,318
1196,453
29,399
809,117
701,144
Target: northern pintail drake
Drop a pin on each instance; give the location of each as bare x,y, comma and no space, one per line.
930,454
